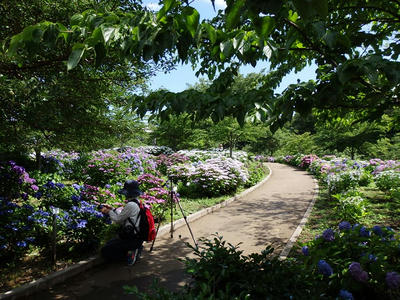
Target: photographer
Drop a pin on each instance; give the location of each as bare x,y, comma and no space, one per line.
127,246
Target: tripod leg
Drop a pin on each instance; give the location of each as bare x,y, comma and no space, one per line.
172,216
187,224
152,243
158,227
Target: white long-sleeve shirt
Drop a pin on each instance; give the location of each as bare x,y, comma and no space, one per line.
131,210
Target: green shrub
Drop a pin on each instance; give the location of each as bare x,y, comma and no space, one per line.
221,271
387,180
351,206
257,171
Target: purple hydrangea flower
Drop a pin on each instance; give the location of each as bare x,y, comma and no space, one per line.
328,235
393,280
357,272
34,187
305,251
324,268
344,226
60,185
343,294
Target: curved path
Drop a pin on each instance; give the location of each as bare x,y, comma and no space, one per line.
268,215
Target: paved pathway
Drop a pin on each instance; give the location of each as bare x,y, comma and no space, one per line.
268,215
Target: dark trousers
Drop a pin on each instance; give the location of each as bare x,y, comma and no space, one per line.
116,250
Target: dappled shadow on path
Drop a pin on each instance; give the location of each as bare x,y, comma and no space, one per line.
106,281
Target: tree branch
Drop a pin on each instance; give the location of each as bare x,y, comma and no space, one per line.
309,41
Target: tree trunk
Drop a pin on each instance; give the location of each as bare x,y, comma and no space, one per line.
230,144
38,157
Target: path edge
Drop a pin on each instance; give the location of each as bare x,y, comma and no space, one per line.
293,239
59,276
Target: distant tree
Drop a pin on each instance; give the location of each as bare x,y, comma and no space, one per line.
45,106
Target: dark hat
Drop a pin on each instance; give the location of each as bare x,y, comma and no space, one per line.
131,189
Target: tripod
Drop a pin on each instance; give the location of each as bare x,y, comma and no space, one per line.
172,193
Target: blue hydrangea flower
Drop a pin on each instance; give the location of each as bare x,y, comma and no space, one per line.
364,232
38,195
393,280
60,185
372,257
343,294
81,224
50,184
328,235
76,186
344,226
377,230
305,251
324,268
75,198
21,244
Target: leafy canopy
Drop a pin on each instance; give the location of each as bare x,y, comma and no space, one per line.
354,45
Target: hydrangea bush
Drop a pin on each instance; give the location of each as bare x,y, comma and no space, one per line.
17,230
213,177
76,183
357,261
387,180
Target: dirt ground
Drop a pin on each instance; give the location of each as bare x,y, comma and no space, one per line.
266,216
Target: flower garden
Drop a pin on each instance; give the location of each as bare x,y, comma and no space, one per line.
349,248
68,187
351,240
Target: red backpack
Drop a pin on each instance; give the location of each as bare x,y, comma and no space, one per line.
147,229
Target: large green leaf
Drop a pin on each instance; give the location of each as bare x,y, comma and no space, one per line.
75,56
100,53
76,19
212,34
168,4
264,26
226,48
233,13
192,17
310,8
108,33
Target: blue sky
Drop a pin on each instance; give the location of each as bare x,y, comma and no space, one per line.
179,79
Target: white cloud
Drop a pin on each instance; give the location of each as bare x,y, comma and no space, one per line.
219,4
153,6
